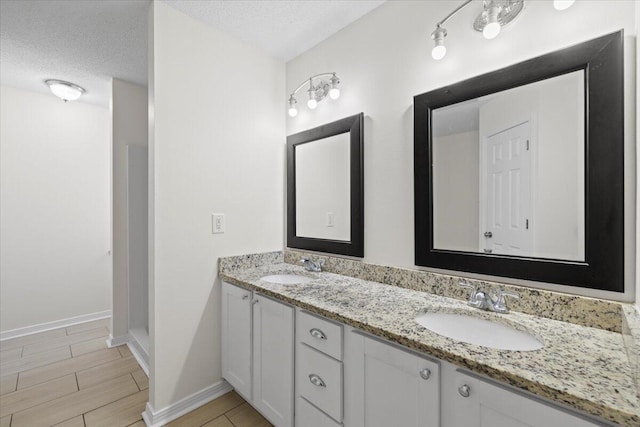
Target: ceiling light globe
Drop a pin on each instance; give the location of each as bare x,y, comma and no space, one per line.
334,93
438,52
563,4
312,104
293,111
65,90
491,30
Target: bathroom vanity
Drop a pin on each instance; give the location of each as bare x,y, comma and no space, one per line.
344,351
518,173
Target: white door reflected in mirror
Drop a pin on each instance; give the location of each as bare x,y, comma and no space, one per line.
508,171
323,189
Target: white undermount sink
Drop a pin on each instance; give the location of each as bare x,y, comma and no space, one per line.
474,330
287,279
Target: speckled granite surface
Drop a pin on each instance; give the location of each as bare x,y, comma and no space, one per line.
631,334
585,368
553,305
248,261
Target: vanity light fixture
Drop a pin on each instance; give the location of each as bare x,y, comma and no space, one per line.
65,90
495,15
317,90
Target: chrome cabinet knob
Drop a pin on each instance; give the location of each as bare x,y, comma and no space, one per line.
488,234
425,373
255,301
317,333
244,297
464,390
316,380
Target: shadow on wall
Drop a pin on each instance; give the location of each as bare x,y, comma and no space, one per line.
206,334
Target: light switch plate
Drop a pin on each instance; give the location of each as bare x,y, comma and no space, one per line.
218,223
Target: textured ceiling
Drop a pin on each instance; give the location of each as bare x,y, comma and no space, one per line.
84,42
283,28
87,42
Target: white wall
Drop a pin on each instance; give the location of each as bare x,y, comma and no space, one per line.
637,164
138,237
55,233
217,144
455,191
129,119
384,59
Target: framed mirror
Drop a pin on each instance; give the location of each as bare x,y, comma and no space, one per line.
325,195
519,172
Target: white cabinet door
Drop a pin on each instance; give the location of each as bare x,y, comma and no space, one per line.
485,404
273,360
236,338
387,386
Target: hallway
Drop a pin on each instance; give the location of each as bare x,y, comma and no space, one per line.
67,377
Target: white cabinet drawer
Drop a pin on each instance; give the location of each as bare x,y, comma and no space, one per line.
320,334
319,380
308,415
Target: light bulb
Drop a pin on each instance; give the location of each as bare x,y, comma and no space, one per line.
491,30
334,92
312,104
293,111
563,4
438,52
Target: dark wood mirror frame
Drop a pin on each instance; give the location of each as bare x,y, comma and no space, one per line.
355,246
603,268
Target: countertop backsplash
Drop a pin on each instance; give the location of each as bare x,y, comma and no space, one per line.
631,336
575,309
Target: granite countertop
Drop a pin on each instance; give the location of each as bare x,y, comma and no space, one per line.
585,368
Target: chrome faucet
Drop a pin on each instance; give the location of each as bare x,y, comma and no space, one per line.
312,266
484,301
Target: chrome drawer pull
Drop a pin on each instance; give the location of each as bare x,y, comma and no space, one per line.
316,380
425,373
317,333
464,390
245,296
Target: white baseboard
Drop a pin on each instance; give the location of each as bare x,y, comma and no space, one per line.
140,354
138,351
56,324
117,341
159,418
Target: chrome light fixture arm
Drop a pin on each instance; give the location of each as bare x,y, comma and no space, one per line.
456,10
494,15
317,92
310,80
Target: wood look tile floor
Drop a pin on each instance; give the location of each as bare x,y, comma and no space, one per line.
68,377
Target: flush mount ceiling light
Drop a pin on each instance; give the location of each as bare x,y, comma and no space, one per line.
317,90
65,90
495,15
